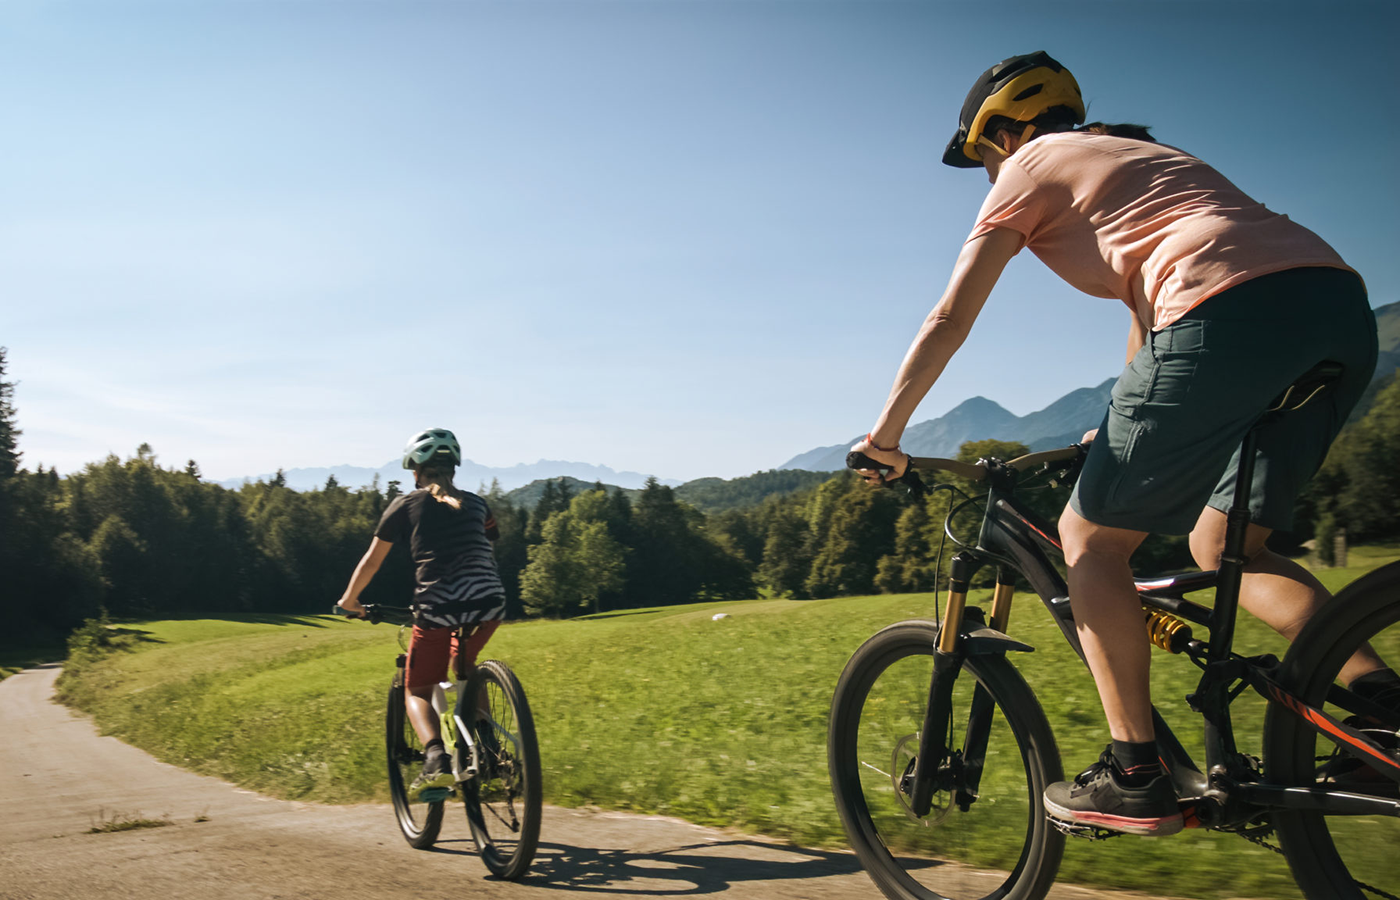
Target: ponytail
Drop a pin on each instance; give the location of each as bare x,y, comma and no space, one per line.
439,484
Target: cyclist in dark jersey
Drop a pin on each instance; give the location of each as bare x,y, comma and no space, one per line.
450,533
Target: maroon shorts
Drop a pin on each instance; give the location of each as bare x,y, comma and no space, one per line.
432,649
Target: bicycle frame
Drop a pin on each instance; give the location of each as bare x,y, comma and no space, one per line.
453,727
1227,794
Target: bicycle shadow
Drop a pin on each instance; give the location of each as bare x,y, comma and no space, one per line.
680,871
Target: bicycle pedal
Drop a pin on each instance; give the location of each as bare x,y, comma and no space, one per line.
1087,832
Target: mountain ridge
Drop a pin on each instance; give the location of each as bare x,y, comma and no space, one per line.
976,419
469,475
1062,422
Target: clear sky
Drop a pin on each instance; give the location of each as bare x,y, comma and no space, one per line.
683,237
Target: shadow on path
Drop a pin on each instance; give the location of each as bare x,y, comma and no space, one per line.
680,871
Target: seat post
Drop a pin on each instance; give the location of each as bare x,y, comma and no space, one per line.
1232,559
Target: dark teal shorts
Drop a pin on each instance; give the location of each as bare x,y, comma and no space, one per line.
1169,443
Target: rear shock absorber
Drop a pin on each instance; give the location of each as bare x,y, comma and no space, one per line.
1166,631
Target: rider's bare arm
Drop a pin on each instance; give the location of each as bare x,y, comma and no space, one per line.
364,573
979,266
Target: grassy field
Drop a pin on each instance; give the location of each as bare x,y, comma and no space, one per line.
721,722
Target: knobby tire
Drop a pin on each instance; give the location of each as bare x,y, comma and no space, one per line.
419,822
1340,857
504,802
876,713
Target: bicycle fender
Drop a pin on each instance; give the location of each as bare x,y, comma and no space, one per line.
988,641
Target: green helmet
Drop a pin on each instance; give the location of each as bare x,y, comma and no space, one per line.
433,445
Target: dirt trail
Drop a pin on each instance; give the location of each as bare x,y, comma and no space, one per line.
58,778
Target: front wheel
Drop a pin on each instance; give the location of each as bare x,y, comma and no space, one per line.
504,800
419,822
1338,857
988,787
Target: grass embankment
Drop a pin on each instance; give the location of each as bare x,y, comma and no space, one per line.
660,711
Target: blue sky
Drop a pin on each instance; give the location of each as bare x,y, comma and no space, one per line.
685,237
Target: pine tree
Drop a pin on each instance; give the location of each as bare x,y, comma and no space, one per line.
9,433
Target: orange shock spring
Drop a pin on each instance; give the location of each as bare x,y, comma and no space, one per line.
1166,631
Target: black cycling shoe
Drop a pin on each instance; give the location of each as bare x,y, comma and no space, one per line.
1097,798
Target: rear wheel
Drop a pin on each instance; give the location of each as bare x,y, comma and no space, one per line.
504,800
419,822
950,852
1338,857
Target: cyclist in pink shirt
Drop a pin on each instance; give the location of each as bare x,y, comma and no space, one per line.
1228,304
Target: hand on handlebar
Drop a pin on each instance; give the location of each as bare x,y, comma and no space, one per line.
1089,436
897,461
352,607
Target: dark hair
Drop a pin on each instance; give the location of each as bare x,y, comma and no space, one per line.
1122,129
1062,118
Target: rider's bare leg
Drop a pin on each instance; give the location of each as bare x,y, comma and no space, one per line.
1109,621
418,702
1277,590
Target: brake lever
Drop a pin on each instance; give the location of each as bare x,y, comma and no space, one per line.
1070,474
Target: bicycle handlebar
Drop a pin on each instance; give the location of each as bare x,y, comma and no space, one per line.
971,471
376,612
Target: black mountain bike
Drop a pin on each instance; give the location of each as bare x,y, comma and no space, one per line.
938,748
489,733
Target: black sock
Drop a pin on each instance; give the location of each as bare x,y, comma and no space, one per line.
434,748
1137,763
1381,687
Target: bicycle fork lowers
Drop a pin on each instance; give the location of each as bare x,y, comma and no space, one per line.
938,766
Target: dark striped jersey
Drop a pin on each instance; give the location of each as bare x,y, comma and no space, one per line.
456,582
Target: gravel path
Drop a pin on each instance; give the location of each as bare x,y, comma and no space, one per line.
59,778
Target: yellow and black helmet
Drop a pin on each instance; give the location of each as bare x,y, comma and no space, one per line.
1018,88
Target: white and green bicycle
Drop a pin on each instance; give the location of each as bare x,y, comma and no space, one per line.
489,734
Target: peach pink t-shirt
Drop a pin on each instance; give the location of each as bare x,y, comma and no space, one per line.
1146,223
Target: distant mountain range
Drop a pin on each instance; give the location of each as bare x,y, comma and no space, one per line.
470,475
1059,424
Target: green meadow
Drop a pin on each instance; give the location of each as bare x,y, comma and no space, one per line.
664,711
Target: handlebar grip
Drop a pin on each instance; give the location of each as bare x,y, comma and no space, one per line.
858,460
910,480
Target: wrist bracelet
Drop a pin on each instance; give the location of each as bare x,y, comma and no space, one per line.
871,441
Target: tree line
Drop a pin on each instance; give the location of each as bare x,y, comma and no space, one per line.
134,538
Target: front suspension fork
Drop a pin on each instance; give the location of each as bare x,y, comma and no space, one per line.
947,661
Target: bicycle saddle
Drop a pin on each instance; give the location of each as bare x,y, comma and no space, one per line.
1307,386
